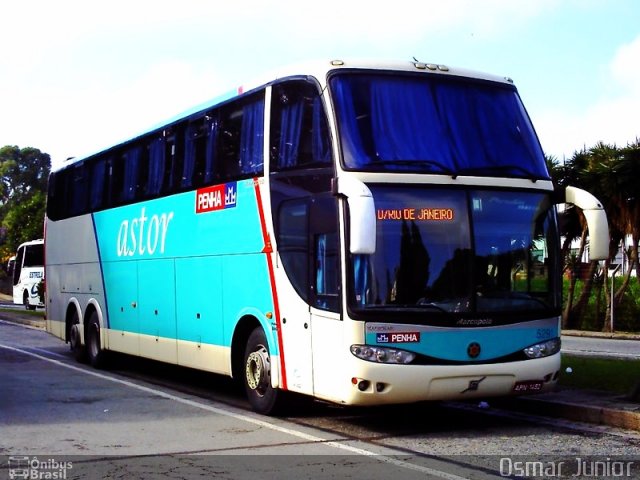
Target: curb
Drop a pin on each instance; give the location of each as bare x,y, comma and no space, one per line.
23,320
625,416
608,335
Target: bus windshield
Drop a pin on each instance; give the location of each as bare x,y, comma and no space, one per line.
434,124
34,255
478,251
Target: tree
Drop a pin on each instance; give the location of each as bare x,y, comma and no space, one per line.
23,185
611,174
579,172
619,177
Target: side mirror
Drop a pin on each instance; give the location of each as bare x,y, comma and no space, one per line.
362,215
596,221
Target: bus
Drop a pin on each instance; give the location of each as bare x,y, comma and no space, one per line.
360,233
28,274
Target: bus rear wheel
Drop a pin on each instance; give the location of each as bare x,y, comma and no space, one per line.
77,348
262,397
95,354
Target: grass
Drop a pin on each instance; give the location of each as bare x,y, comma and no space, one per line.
39,313
612,375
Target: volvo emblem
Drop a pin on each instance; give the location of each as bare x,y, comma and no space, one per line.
473,350
473,385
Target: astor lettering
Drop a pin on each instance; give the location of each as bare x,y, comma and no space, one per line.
143,235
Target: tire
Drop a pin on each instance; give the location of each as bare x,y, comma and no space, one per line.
95,354
25,301
76,346
262,397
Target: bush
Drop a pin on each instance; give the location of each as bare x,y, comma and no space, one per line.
626,314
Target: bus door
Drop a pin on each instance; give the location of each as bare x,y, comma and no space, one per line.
292,231
309,251
325,297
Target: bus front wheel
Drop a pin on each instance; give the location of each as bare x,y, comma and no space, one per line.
257,375
25,301
95,353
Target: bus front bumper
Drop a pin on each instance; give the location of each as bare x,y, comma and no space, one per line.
375,384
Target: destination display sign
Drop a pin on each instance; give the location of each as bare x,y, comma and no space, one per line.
416,214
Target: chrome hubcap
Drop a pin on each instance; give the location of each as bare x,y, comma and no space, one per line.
257,370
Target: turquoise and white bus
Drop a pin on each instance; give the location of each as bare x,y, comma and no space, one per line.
360,233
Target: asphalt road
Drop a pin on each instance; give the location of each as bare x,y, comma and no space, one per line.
601,347
141,419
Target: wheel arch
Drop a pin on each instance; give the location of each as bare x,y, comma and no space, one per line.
244,327
93,306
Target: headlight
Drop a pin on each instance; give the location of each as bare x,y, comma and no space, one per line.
544,349
382,354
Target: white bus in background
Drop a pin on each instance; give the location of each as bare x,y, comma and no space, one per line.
28,272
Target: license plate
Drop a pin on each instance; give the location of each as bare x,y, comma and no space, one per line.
528,386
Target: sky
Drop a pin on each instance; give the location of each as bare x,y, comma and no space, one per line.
79,76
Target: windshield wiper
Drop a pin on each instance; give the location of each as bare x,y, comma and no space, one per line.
498,169
442,168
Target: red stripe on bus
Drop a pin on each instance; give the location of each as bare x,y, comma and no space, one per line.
272,279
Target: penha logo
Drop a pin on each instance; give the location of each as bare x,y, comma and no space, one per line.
217,197
398,337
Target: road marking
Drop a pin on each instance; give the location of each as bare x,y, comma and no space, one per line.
248,419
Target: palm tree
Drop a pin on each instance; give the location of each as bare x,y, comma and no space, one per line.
578,171
624,214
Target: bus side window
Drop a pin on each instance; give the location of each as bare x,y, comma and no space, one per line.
194,155
18,265
143,171
131,169
241,138
293,240
229,145
116,178
327,253
211,144
299,129
174,158
99,181
252,137
57,201
156,169
77,190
